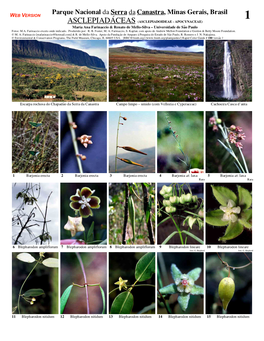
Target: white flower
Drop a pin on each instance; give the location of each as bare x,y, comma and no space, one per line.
184,283
230,212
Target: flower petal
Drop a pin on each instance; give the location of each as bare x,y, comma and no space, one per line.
75,206
94,202
194,274
183,300
75,198
175,272
223,195
86,191
197,290
86,212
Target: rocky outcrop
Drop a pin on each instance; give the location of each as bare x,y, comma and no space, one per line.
55,52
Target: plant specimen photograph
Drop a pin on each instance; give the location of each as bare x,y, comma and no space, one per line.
229,283
35,219
132,283
229,70
35,142
35,283
83,282
132,142
132,213
229,213
83,213
229,142
156,70
180,142
180,283
180,212
83,142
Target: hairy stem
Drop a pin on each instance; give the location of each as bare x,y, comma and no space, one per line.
85,281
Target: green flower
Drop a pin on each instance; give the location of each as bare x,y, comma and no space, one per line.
183,285
83,202
166,192
235,211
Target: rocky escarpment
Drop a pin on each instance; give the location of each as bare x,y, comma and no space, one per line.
55,52
241,53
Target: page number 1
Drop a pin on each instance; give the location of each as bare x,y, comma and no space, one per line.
247,14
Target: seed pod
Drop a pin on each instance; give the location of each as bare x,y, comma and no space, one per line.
131,211
226,291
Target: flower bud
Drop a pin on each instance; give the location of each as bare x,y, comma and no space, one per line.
174,200
166,203
170,209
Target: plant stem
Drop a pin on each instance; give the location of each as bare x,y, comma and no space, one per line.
85,281
74,141
19,295
117,133
125,215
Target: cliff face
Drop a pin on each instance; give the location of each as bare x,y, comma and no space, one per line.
55,52
241,54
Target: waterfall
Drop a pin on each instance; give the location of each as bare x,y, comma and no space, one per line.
227,85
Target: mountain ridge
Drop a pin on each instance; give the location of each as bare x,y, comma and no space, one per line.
55,52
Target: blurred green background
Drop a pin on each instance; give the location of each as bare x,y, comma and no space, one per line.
189,126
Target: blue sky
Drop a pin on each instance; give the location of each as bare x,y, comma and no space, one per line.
169,45
96,48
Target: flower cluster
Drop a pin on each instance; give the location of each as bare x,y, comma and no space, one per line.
214,122
236,135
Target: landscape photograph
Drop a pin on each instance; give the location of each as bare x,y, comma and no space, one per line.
156,70
68,71
229,70
132,142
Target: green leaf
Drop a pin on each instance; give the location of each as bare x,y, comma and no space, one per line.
35,125
169,289
194,274
34,293
123,303
51,262
103,299
244,198
233,230
197,290
26,257
169,237
131,211
90,233
175,272
183,300
245,219
223,195
36,140
193,236
32,152
145,267
215,218
64,298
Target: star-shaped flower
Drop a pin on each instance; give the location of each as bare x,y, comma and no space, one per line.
121,283
183,285
235,211
74,225
230,212
83,201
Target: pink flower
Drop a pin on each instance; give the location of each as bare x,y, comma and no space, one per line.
239,145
